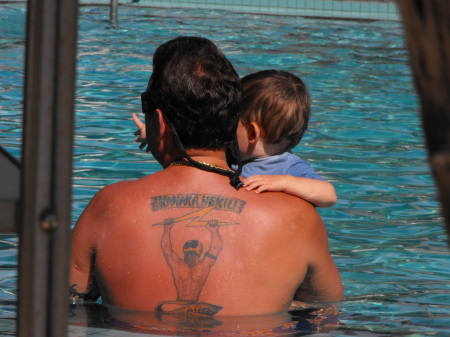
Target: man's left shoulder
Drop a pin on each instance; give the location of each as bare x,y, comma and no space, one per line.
112,194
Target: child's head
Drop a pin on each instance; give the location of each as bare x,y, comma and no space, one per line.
279,103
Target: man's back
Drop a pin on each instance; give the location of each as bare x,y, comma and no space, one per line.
183,241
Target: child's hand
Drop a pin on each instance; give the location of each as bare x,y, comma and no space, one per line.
261,183
140,133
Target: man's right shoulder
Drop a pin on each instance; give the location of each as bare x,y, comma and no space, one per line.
280,199
282,204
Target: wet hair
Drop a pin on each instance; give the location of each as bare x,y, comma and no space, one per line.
198,90
279,102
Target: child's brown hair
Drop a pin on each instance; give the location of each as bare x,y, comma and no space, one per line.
279,102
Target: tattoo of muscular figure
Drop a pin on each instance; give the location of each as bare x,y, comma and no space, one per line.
190,273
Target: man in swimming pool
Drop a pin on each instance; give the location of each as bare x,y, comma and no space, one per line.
271,247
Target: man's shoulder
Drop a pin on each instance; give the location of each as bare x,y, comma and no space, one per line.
124,186
138,189
114,193
113,188
281,203
287,218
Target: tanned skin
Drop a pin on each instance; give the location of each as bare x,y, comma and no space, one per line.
260,251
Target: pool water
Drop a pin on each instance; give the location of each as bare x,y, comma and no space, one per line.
385,232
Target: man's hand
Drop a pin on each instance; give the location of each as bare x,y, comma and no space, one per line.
88,297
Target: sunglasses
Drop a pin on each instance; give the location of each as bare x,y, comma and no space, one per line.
145,99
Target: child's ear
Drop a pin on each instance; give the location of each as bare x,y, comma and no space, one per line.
254,132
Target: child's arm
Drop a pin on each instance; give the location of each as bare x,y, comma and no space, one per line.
318,192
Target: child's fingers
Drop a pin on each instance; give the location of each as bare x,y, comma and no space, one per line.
137,121
252,179
258,188
252,185
139,124
141,129
248,185
261,188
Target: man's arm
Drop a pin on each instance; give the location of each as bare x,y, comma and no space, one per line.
83,285
322,282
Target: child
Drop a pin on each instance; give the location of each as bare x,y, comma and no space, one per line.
275,109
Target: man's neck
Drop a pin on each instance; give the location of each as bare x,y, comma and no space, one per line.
213,157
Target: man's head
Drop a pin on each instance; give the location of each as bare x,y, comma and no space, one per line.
279,103
197,89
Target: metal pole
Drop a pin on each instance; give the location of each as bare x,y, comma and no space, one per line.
47,168
113,12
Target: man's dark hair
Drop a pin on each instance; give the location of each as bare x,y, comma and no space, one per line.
197,88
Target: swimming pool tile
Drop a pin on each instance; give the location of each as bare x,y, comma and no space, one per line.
285,3
365,7
337,5
310,4
347,6
301,3
356,7
374,7
328,5
347,9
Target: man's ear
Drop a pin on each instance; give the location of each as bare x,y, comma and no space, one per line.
254,132
163,126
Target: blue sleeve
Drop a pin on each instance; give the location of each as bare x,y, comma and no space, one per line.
303,170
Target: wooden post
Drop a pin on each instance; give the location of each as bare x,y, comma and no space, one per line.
427,27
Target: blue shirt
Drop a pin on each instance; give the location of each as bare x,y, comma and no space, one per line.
285,163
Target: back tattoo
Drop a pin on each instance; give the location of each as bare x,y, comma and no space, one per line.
190,272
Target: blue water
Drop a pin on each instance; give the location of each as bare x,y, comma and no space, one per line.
385,232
